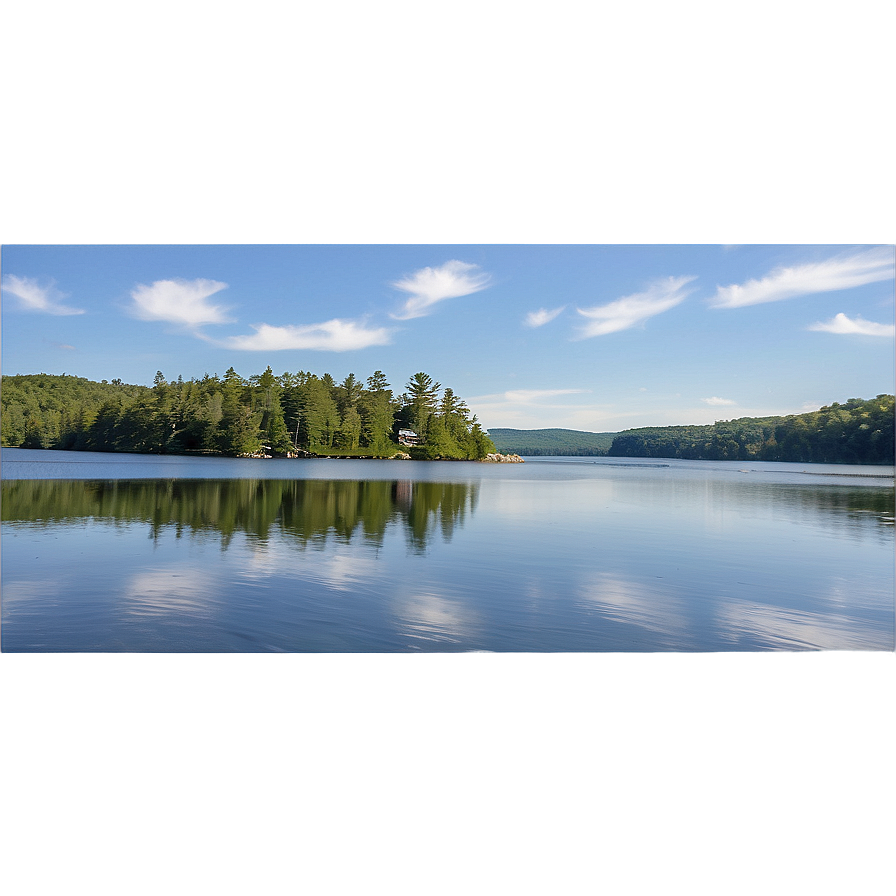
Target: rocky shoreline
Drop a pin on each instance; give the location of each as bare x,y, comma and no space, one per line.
399,455
503,459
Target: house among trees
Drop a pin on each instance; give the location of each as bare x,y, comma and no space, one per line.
408,437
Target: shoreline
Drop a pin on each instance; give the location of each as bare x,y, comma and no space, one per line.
495,457
305,455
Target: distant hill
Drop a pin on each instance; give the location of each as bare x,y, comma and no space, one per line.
857,432
536,442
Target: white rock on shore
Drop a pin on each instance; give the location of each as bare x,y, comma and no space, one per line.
503,459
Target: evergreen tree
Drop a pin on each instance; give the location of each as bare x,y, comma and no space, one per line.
272,424
350,429
319,420
377,413
422,398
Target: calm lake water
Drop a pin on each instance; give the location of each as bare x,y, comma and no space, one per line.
138,553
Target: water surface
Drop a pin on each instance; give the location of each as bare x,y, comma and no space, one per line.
137,553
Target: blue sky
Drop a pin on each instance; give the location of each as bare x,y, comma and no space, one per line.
392,140
597,338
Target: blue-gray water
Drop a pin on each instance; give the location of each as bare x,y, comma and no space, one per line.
136,553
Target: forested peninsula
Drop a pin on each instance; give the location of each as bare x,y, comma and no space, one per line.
294,414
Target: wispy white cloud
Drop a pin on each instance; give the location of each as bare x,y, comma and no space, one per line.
840,272
541,317
628,311
843,325
332,335
529,396
538,409
431,285
717,402
525,396
34,297
179,302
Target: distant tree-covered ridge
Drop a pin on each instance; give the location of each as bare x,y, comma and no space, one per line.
230,415
857,432
563,442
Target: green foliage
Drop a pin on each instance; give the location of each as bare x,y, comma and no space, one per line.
448,431
235,416
857,432
377,409
421,400
46,411
318,414
350,429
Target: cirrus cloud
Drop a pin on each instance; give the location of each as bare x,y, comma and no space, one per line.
536,408
840,272
431,285
718,402
542,316
843,325
534,395
179,302
661,295
333,335
34,297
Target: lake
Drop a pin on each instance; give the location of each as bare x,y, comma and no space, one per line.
146,553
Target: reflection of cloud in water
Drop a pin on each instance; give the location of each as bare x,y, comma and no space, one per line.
31,596
340,568
431,617
627,601
851,595
26,591
779,627
528,499
176,590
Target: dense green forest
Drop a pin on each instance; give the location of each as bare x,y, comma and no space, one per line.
857,432
265,414
565,442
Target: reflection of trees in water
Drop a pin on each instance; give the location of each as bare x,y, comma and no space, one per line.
442,502
851,508
307,509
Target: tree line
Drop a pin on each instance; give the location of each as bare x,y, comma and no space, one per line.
231,415
856,432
